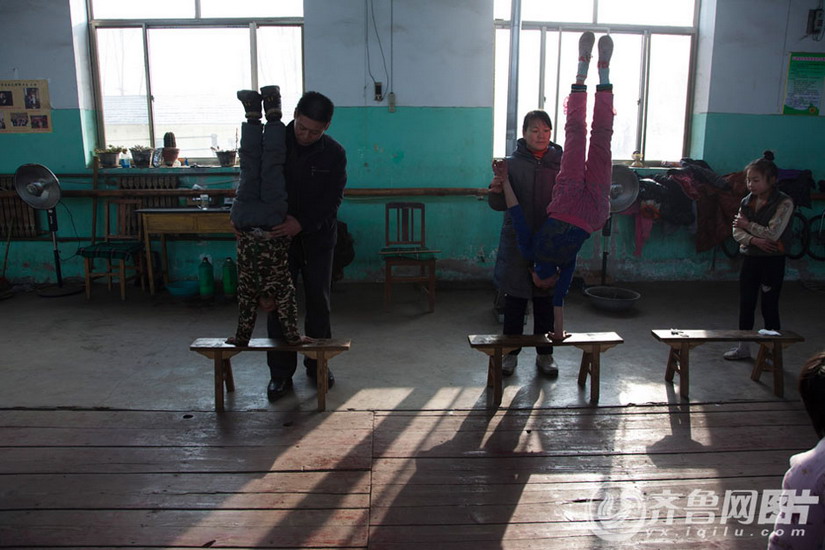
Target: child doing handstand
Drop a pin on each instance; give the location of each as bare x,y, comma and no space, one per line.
581,203
260,204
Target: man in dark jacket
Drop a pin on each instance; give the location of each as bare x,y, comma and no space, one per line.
316,173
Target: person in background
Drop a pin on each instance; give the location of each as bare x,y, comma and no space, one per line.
762,230
801,525
316,174
261,204
531,170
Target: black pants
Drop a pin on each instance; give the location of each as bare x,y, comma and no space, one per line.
761,276
516,308
310,258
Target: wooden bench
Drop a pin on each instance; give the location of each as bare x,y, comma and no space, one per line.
592,345
221,352
682,341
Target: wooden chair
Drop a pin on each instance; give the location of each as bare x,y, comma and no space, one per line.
119,247
405,247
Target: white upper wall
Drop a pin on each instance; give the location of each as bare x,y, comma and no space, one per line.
440,54
746,70
36,43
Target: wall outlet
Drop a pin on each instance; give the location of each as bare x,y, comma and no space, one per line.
379,91
814,21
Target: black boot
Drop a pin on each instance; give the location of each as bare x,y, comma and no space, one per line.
251,101
272,102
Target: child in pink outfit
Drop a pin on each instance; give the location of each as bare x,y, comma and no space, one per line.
581,196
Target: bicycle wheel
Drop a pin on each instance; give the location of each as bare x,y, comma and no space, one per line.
798,245
816,237
730,247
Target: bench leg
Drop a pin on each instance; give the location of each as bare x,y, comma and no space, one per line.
218,360
590,364
322,381
770,351
494,376
684,370
228,379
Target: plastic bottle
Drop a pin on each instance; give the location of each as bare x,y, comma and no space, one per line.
230,277
206,279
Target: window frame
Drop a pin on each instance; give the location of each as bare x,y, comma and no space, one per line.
252,24
646,32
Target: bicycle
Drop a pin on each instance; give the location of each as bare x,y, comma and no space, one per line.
816,237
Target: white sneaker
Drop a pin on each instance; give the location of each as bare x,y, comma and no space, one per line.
508,364
738,353
546,364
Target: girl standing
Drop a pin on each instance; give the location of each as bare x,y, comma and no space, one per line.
762,230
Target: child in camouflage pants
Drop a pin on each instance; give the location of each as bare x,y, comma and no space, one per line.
260,204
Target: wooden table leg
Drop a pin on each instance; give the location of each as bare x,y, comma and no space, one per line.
147,245
759,366
584,367
218,359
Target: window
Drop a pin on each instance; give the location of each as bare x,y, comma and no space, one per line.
649,69
180,74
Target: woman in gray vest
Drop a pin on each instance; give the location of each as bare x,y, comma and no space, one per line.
762,230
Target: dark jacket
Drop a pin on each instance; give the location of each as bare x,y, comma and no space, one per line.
532,181
315,179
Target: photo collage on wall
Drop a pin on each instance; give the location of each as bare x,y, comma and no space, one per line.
25,107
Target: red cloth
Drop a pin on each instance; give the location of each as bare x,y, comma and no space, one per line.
715,210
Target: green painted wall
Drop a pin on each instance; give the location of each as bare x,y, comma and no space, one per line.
66,149
729,141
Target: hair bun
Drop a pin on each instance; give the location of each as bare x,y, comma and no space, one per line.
768,155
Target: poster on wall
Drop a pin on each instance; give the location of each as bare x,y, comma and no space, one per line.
25,107
805,85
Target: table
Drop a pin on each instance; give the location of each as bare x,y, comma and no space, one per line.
165,221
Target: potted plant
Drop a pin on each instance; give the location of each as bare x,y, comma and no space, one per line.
141,155
170,149
110,156
226,157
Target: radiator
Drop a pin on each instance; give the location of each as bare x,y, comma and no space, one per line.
17,218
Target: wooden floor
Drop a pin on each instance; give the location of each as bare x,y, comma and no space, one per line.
468,480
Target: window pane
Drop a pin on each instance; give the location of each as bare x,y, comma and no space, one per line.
252,8
528,76
580,11
123,85
552,93
502,63
280,62
194,86
144,9
647,12
667,97
625,75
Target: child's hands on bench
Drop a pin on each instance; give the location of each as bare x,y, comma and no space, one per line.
562,336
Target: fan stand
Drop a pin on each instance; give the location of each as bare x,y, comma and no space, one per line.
61,289
38,187
605,245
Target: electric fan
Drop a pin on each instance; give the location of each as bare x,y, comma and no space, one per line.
39,188
624,188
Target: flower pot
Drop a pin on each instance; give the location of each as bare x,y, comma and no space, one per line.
141,159
226,158
108,160
170,155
